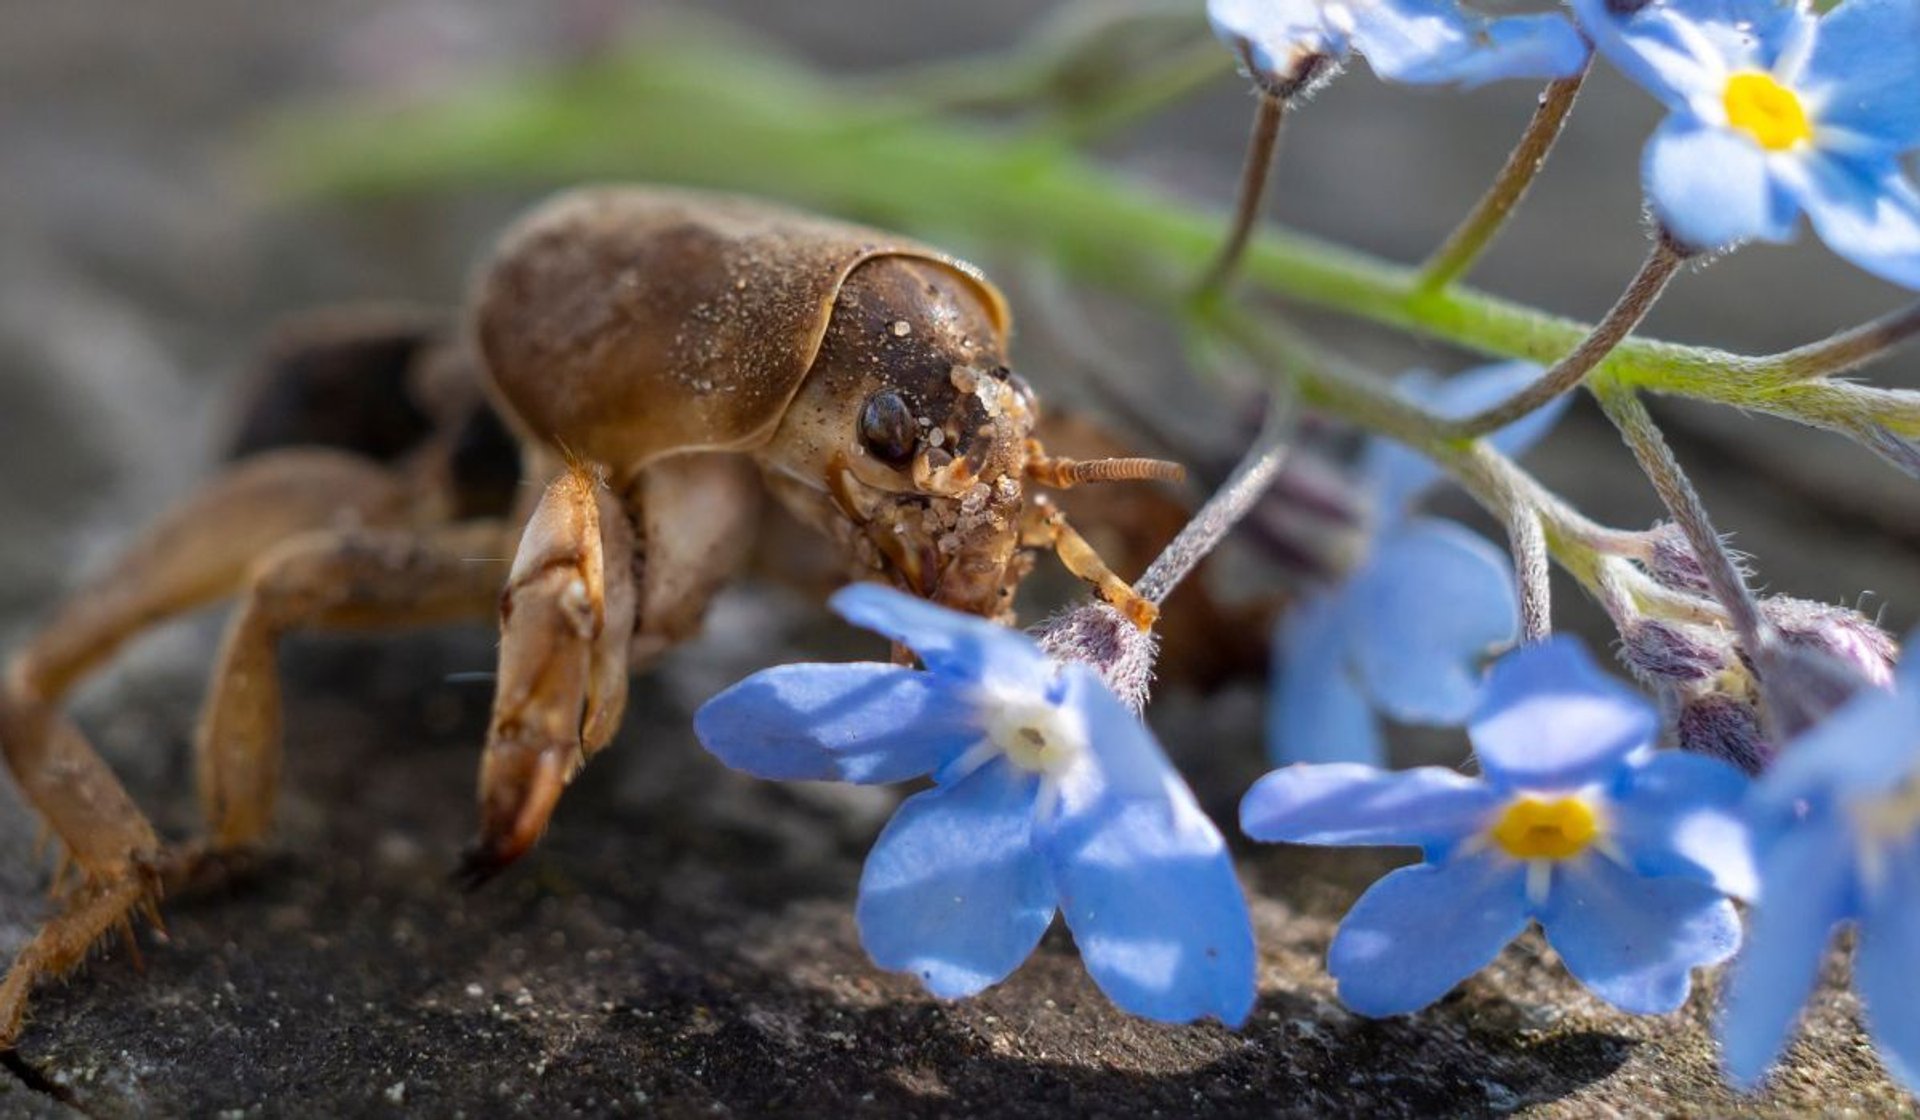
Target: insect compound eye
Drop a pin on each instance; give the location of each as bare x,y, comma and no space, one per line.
887,428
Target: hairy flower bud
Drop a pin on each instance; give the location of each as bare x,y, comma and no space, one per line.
1726,726
1099,635
1823,655
1667,653
1841,633
1673,562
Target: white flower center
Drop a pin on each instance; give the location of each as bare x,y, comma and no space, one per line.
1035,735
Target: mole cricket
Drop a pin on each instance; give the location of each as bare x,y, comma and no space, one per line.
637,367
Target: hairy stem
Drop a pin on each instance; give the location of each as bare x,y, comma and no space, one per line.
1641,293
1503,489
1529,543
1676,492
1850,349
1250,479
1265,137
1470,239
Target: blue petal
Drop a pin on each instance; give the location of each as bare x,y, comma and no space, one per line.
1886,961
1423,929
1429,607
954,890
1682,50
1864,69
1149,891
1434,42
1679,814
1143,875
1317,712
852,723
1634,941
1869,214
1277,36
1123,758
1553,720
1343,803
1866,748
1806,888
1398,475
1710,187
947,641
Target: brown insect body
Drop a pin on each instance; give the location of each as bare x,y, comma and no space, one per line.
659,358
634,323
621,326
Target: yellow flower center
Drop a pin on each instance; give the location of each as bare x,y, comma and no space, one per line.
1034,734
1768,111
1533,828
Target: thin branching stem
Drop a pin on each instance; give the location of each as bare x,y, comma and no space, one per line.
1850,349
1530,569
1261,143
1724,579
1595,555
1587,550
1471,238
1641,293
1250,479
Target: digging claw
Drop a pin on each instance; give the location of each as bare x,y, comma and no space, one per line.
479,863
519,787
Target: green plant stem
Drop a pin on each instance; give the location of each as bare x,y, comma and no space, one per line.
1471,238
1595,555
1641,293
723,117
1852,348
1676,492
1530,557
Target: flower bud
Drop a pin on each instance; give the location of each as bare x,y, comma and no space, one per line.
1097,634
1673,562
1668,653
1726,726
1845,635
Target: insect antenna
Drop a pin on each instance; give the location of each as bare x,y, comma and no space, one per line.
1064,473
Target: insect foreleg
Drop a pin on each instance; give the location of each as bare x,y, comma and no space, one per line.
566,618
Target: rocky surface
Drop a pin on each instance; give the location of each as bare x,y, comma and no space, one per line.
682,942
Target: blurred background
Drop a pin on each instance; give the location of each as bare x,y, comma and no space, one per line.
145,249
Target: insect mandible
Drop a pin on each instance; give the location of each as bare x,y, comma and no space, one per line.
637,367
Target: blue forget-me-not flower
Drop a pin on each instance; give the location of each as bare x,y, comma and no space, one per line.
1837,824
1777,112
1623,854
1289,44
1407,630
1048,794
